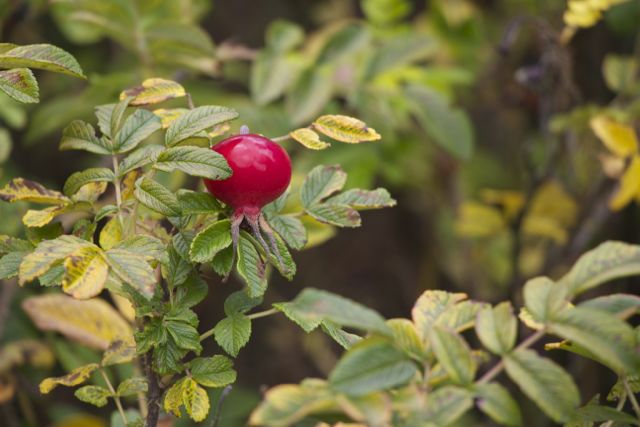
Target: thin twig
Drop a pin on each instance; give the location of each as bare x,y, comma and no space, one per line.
116,398
253,316
499,367
621,403
632,398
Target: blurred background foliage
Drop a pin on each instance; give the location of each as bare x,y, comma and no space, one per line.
486,108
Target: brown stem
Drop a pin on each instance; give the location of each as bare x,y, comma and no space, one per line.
499,367
155,392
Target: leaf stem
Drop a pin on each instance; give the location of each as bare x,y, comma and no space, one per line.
619,407
281,138
115,396
632,398
116,184
499,367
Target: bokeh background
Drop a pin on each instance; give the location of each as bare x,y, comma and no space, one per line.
484,109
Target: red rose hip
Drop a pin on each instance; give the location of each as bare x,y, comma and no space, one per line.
261,173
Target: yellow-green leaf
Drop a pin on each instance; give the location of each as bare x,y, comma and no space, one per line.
46,254
40,218
20,189
619,138
478,220
41,56
153,91
19,84
168,115
629,186
118,352
309,139
85,273
91,322
345,129
111,234
186,392
75,377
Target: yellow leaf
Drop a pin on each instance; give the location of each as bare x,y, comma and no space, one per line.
124,306
91,191
85,273
612,166
118,352
629,186
128,184
34,218
75,377
309,139
478,220
7,388
220,129
186,392
153,91
20,189
168,115
619,138
345,129
91,322
17,353
527,318
47,253
511,201
545,227
552,202
81,420
111,234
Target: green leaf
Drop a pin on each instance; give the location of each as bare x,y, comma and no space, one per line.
10,264
157,198
153,91
343,43
136,128
299,316
448,127
544,298
364,199
196,202
197,120
240,302
14,244
195,161
344,339
609,338
78,179
445,309
613,304
93,394
282,36
401,51
496,401
446,405
251,267
608,261
116,117
314,305
598,413
139,158
134,269
131,386
223,262
320,183
454,354
20,84
42,57
185,335
407,339
216,371
497,328
620,73
143,245
271,74
338,215
545,382
81,135
285,405
371,365
192,291
211,240
306,99
232,333
291,229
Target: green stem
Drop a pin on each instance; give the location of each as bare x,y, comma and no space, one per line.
116,183
253,316
115,396
632,398
281,138
621,403
499,367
